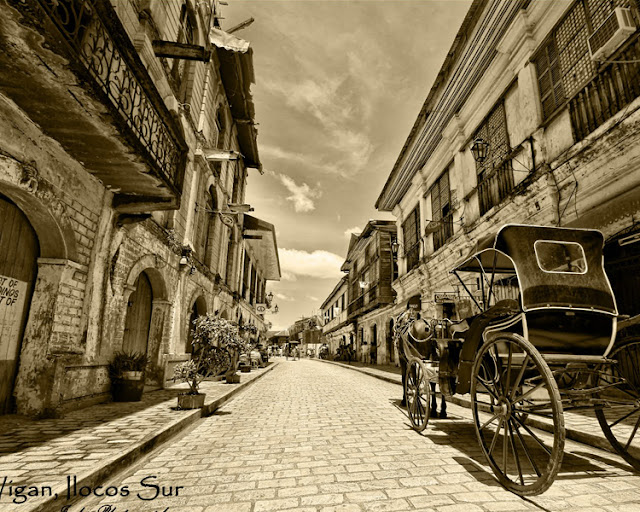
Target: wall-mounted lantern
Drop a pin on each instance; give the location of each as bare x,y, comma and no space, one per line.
480,150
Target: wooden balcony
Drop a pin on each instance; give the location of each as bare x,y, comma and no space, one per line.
366,302
76,74
616,85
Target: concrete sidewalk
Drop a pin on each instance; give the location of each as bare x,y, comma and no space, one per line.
580,427
92,443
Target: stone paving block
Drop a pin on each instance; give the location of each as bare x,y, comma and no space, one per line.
345,507
322,499
278,504
229,507
406,492
386,506
297,491
473,497
506,506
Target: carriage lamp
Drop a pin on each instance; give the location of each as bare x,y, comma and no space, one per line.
479,150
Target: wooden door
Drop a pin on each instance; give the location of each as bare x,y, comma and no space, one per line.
19,250
136,327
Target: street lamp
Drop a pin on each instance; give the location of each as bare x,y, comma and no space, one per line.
480,150
269,297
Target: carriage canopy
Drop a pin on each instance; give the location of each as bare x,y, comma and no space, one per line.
556,267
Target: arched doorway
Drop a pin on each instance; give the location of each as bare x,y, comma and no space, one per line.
199,308
136,326
19,251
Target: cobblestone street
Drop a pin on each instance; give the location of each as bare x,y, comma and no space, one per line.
314,436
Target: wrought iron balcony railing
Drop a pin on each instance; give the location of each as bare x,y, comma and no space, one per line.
94,35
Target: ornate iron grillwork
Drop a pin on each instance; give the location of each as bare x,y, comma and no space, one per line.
94,35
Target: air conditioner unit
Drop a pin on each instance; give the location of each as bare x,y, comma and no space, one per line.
614,31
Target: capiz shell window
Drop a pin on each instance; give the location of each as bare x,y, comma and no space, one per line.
560,257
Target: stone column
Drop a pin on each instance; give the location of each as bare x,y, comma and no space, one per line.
44,353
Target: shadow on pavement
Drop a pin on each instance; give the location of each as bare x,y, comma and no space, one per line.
20,432
460,433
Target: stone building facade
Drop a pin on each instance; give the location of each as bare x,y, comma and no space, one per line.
336,331
122,181
357,310
563,128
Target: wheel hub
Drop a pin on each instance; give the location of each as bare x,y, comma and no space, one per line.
503,408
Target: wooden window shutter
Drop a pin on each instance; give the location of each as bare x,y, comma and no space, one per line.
549,78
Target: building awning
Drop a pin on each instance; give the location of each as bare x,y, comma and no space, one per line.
236,70
260,236
229,42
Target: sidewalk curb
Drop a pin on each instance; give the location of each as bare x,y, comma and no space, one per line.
109,466
571,433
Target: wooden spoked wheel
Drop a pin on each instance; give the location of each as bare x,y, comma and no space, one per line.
510,382
417,392
620,416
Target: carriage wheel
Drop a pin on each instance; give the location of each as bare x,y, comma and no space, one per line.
620,419
511,381
417,392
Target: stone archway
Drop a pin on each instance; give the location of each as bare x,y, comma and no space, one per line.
42,357
19,251
198,308
159,314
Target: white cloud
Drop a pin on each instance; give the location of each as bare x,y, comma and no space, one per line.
284,297
319,264
355,230
314,299
302,196
288,276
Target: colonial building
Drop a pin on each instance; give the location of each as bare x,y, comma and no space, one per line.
371,268
127,138
336,331
367,295
551,90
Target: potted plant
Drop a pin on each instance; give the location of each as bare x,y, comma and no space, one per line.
126,371
216,343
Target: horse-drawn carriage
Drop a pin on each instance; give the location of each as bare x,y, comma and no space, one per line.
543,342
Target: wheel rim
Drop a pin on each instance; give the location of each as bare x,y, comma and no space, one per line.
417,393
520,385
620,416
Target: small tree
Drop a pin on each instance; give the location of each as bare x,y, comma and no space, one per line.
216,346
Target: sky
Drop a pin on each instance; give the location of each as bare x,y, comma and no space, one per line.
339,84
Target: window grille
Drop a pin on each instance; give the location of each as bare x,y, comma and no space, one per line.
495,174
410,230
563,64
441,210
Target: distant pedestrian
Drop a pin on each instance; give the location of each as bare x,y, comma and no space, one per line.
373,353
